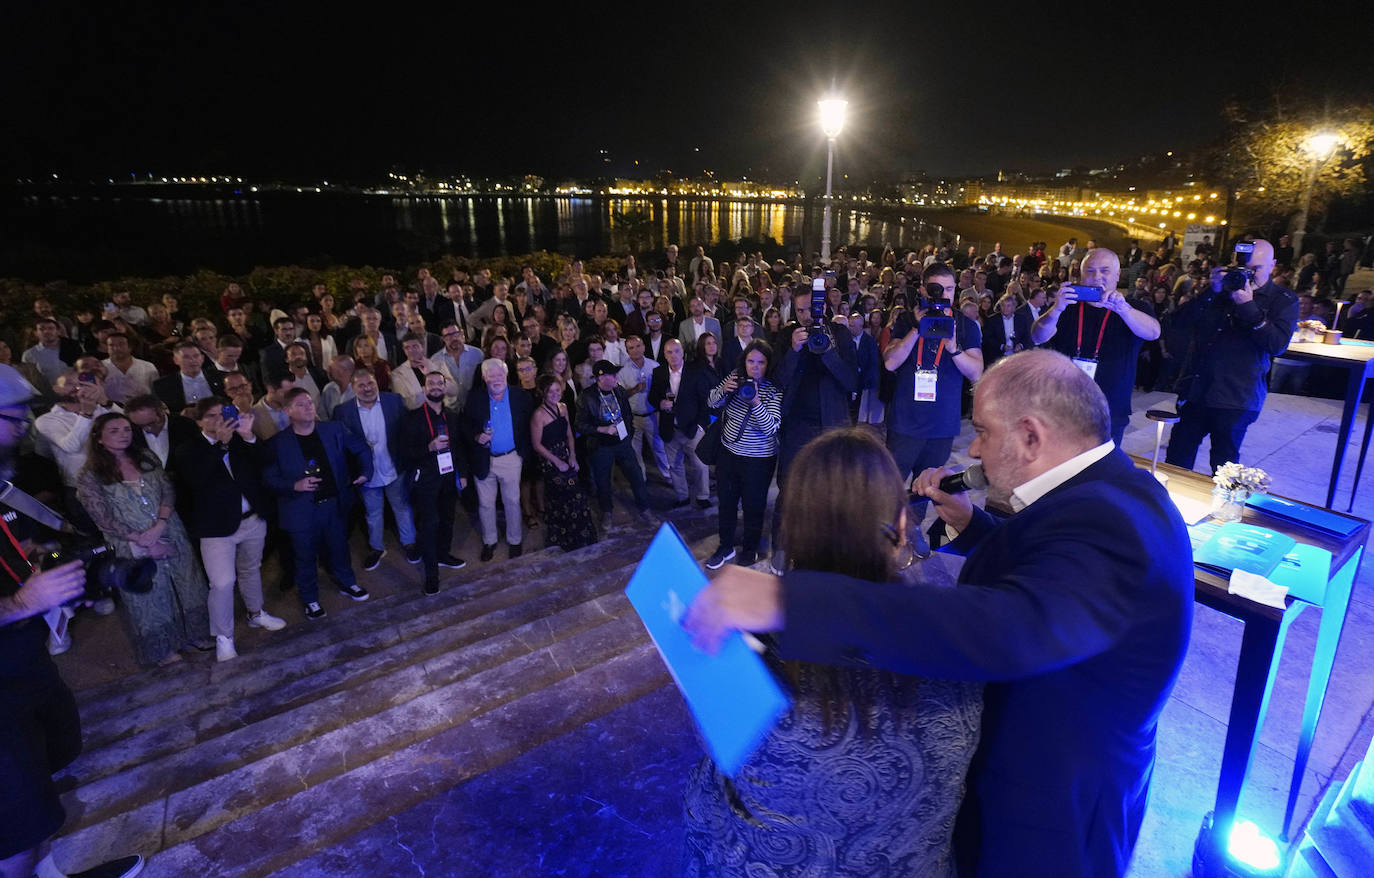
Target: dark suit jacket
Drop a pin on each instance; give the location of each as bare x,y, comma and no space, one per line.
841,376
474,418
1077,614
414,461
441,313
869,361
168,388
689,409
994,335
272,359
286,465
346,413
212,494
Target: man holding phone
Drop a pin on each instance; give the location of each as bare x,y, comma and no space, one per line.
226,510
1104,346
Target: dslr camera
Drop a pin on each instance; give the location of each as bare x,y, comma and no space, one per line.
1236,277
105,573
818,339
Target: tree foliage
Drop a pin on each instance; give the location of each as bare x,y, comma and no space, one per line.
1264,156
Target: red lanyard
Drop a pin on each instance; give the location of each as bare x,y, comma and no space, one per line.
920,353
432,434
13,542
1100,331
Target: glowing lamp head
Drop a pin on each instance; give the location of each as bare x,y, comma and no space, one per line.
832,116
1250,848
1320,146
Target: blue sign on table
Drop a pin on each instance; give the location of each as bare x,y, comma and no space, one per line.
732,694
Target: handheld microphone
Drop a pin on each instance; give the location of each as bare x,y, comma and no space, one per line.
971,479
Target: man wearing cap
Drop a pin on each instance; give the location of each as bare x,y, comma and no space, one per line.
40,730
607,421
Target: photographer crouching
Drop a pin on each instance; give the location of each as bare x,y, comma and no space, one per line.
40,730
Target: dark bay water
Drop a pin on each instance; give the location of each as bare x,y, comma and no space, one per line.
85,237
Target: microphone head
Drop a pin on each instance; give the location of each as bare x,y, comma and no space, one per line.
974,478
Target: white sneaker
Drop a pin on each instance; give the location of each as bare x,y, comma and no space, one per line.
264,619
224,648
103,607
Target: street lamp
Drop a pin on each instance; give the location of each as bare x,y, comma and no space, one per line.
1319,147
832,122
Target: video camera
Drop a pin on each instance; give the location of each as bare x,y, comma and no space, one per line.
105,572
818,339
939,319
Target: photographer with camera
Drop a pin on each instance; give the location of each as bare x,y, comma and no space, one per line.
818,373
1107,350
751,408
1238,324
932,352
40,730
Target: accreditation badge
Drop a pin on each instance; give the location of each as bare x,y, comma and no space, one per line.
445,462
620,431
926,386
1089,367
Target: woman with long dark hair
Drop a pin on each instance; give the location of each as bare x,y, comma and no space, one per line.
865,773
567,515
130,498
752,410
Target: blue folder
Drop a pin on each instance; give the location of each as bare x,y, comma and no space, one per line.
732,694
1301,513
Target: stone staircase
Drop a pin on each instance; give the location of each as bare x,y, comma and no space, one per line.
246,767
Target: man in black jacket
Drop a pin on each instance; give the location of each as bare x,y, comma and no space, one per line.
433,459
815,391
193,381
607,421
1235,335
226,510
678,393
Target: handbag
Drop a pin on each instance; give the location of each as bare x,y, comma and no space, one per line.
709,448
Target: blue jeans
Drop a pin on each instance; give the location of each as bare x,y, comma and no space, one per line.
623,454
395,494
325,528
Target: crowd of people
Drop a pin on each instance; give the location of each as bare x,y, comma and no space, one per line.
204,442
517,398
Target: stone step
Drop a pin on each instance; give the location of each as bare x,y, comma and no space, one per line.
366,630
231,829
156,684
121,777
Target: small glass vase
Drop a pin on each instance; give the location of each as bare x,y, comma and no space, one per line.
1228,504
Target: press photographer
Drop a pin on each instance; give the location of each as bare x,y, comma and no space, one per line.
40,730
818,372
1239,323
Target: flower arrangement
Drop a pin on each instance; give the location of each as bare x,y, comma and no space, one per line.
1234,477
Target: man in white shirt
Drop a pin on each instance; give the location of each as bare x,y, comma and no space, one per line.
64,431
376,416
697,324
126,376
635,376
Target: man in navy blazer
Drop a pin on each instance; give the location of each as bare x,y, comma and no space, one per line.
381,432
1076,610
312,468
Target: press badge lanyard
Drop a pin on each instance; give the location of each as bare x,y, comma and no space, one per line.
620,430
445,458
1089,364
926,380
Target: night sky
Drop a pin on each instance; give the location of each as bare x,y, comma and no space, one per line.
256,89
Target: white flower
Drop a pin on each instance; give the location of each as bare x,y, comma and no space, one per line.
1232,476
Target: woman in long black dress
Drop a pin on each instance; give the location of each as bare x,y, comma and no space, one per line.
567,517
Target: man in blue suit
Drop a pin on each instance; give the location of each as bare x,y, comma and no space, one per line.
1076,610
375,417
313,468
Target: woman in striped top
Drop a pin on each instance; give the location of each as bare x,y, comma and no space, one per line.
752,410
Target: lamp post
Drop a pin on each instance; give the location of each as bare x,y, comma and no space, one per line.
1319,147
832,121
